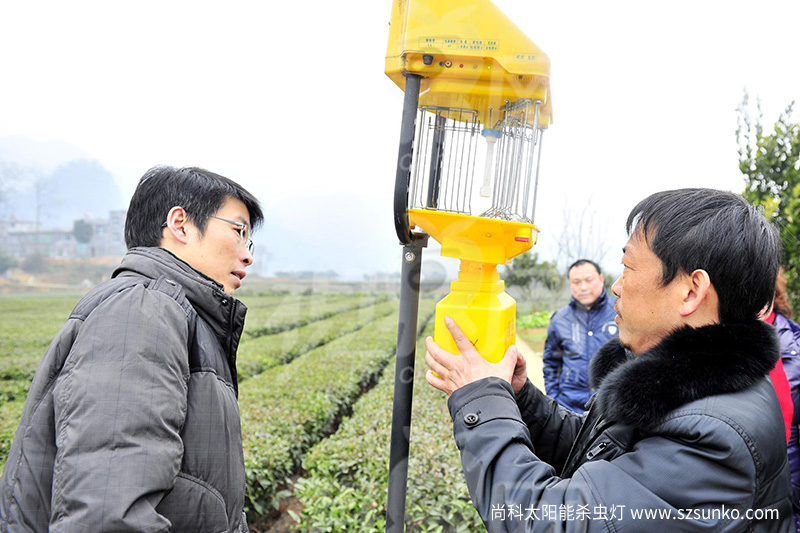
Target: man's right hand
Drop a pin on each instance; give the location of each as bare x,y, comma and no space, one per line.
520,376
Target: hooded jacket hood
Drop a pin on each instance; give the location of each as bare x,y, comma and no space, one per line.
689,364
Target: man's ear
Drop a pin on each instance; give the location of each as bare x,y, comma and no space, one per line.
176,225
699,292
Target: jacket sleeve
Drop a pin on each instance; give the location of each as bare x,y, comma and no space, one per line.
790,355
552,427
120,404
514,490
790,350
552,360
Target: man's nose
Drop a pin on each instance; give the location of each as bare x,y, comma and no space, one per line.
616,288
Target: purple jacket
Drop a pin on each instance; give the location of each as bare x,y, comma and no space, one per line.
789,334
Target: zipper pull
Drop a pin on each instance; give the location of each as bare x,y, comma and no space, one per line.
591,454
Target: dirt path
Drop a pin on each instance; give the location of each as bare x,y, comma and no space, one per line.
534,360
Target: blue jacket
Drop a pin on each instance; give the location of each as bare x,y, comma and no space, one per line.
573,337
789,334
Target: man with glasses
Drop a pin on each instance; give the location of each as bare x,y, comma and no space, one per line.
132,421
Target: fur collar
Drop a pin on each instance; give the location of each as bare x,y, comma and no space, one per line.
688,365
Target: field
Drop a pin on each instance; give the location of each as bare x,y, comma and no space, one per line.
316,376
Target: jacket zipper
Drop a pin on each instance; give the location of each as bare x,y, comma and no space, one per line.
231,356
569,460
597,449
574,453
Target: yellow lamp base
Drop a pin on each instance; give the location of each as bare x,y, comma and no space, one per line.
477,301
482,309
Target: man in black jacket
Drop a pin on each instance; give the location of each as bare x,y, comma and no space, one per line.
685,432
132,422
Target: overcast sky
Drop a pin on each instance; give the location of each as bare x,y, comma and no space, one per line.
290,99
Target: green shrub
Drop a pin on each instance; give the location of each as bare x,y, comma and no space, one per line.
287,409
296,311
27,325
347,474
534,320
10,413
267,351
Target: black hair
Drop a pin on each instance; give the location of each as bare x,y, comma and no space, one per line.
580,262
199,192
716,231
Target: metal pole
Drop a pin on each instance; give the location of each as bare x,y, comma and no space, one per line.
404,385
407,320
404,158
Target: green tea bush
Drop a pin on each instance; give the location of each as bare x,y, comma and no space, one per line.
267,351
10,413
296,311
346,484
27,325
287,409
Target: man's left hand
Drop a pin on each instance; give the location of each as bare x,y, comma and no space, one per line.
454,371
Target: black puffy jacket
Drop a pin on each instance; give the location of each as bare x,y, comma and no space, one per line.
685,437
132,420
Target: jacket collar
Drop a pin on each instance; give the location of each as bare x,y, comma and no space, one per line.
221,311
689,364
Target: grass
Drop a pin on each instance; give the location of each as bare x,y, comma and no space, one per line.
535,338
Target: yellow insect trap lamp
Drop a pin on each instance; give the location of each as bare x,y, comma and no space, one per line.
477,102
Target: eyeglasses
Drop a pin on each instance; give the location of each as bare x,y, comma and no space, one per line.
244,233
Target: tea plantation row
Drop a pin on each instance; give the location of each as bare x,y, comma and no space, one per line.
345,488
316,374
29,323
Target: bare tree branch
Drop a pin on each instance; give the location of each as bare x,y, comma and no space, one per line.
583,235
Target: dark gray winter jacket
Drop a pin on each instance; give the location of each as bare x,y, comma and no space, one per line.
132,420
685,437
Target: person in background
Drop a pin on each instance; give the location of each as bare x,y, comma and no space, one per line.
789,334
685,432
575,333
780,380
132,422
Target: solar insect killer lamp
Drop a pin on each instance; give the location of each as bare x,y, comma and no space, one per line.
476,104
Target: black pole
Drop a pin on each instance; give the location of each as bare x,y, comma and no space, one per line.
404,385
407,320
404,157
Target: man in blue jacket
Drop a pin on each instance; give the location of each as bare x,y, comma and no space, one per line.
575,334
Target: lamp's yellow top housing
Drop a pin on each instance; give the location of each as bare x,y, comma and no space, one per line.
471,56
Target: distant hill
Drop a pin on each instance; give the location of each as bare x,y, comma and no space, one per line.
67,189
